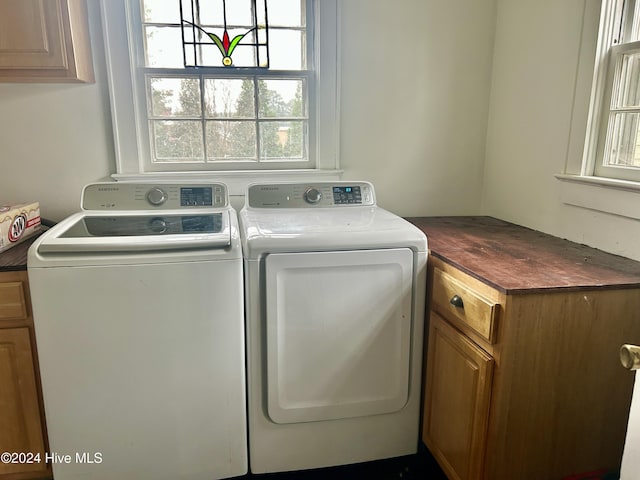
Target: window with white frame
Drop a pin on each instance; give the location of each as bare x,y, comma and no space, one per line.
220,85
613,139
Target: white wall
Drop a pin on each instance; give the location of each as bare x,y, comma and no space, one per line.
539,101
415,84
55,138
414,109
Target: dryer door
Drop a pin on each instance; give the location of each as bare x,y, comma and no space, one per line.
338,333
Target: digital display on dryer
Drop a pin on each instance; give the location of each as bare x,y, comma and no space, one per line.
347,195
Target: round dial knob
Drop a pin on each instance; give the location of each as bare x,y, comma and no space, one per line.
313,195
156,196
158,225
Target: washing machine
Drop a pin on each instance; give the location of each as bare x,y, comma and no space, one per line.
139,318
335,297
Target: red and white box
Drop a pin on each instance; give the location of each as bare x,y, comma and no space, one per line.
17,223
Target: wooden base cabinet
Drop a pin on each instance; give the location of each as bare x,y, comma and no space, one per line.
459,379
525,386
22,431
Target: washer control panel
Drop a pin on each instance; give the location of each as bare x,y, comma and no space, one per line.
310,195
150,196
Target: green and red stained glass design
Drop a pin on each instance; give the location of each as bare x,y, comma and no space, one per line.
225,33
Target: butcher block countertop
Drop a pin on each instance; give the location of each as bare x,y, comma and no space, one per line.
518,260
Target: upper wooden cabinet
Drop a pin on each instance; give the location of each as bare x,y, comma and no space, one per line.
45,41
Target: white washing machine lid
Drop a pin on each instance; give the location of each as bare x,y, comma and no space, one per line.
109,232
266,231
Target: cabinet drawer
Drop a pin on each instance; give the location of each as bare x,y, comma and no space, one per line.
466,304
12,302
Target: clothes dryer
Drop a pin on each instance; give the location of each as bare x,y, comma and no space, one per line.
335,297
139,317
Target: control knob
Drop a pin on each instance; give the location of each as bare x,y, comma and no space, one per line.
313,195
156,196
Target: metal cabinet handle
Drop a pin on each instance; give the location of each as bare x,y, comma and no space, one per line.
456,301
630,356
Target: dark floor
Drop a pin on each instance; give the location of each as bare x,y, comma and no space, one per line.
421,466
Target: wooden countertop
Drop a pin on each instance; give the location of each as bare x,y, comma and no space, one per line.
517,260
510,258
16,257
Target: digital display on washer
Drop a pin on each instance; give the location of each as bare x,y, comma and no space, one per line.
132,226
196,197
346,195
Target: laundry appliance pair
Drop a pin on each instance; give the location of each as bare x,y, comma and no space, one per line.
148,301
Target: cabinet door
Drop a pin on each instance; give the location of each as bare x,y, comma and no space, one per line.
44,41
457,393
20,429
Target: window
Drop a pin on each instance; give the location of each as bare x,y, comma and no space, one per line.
222,85
613,140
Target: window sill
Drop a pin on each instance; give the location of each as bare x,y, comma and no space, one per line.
617,197
236,181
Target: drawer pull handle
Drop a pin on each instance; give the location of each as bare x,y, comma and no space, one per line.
456,301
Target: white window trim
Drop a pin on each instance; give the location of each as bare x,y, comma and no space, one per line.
579,186
617,197
127,139
606,34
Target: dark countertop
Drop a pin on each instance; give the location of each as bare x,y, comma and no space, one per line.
515,259
16,257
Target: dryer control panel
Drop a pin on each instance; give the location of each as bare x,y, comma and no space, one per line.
311,195
153,196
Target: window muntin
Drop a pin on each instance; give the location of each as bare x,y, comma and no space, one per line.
225,118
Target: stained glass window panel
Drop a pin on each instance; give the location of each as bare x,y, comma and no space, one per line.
287,13
207,17
286,50
227,25
161,11
238,12
162,47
